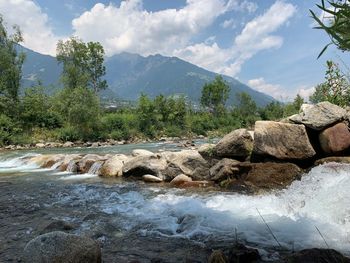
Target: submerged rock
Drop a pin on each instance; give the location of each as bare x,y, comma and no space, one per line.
57,225
87,161
57,247
317,255
335,139
180,179
148,178
319,116
282,140
237,144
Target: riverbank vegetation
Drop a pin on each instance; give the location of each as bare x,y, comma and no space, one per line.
75,112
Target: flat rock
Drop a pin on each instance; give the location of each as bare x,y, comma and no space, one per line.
236,144
56,247
335,139
282,140
148,178
319,116
141,165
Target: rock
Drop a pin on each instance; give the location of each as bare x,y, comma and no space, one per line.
113,166
48,160
141,165
141,152
217,256
57,225
319,116
40,145
282,140
206,150
148,178
69,160
224,169
335,159
188,162
95,145
237,144
197,184
87,161
335,139
180,179
56,247
317,255
240,253
68,144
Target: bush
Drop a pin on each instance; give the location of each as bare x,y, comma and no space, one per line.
69,133
8,130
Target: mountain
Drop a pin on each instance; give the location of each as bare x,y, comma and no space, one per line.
128,75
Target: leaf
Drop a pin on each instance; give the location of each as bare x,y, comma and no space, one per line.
323,50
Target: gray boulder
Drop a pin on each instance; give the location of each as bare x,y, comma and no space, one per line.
282,140
58,247
113,167
142,165
224,169
237,144
319,116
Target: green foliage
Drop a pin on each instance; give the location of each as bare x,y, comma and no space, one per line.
82,64
36,110
8,130
272,111
215,95
69,133
335,89
338,28
10,69
246,111
120,125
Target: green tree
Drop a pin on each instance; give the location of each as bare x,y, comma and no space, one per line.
335,89
215,95
148,121
11,63
272,111
337,24
82,64
246,110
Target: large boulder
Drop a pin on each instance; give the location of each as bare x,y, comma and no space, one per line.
335,139
206,150
138,166
319,116
47,161
237,144
113,167
223,170
282,140
87,161
333,159
68,161
188,162
57,247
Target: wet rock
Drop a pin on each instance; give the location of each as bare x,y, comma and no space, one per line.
317,255
197,184
319,116
224,169
237,144
57,225
141,152
335,139
68,144
40,145
87,161
282,140
58,247
188,162
336,159
141,165
148,178
47,161
71,160
217,256
113,166
240,253
95,145
180,179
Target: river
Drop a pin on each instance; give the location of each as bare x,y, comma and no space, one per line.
154,223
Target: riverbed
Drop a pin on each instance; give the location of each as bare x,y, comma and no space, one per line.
134,221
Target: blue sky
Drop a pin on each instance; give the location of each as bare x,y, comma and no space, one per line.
267,44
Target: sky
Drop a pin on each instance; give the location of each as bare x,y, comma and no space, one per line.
270,45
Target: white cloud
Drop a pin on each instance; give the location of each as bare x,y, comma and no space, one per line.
274,90
129,27
238,5
229,23
306,92
34,24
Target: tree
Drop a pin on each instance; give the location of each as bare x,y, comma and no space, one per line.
337,24
215,95
82,64
246,110
335,89
10,69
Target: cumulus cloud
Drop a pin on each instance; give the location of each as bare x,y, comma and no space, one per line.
34,24
129,27
229,23
243,6
274,90
306,92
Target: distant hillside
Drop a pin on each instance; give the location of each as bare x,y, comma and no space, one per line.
129,75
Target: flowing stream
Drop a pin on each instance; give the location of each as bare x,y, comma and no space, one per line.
147,222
